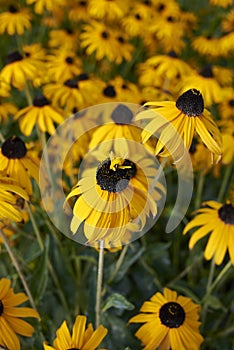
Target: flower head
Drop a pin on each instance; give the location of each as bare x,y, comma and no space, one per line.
15,20
187,115
41,113
218,220
10,322
115,193
170,321
81,338
16,162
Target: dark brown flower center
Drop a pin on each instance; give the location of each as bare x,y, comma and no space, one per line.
40,101
226,214
122,115
109,91
231,103
115,180
72,83
73,349
69,60
207,72
137,16
13,57
171,19
172,54
172,315
1,308
83,76
105,34
191,103
13,9
121,40
14,148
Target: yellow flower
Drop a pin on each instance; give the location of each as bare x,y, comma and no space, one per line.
81,338
9,191
114,193
7,109
67,39
110,10
41,113
18,70
17,163
187,115
49,5
217,219
221,3
206,82
63,65
170,322
10,322
79,11
15,21
105,41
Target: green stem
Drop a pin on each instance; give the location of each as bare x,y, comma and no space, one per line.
198,199
118,263
99,283
18,269
60,292
225,181
36,229
220,276
209,281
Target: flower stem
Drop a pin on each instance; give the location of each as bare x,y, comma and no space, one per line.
36,230
201,181
118,263
18,269
225,181
99,283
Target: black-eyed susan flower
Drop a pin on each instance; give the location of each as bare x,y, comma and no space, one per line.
40,113
218,220
137,19
67,39
226,107
228,22
79,92
114,193
166,69
18,70
15,20
11,323
207,45
187,115
206,82
79,11
109,10
170,322
221,3
7,109
82,338
10,191
63,65
41,5
17,163
105,41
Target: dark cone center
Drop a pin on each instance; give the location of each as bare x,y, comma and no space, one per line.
1,308
191,103
172,315
83,76
115,180
105,35
13,9
122,115
231,103
40,101
72,83
226,214
69,60
109,91
14,148
13,57
207,72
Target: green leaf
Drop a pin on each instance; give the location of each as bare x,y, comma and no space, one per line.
214,303
117,301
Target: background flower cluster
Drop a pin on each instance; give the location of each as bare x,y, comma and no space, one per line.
59,57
